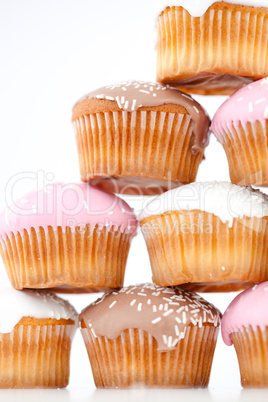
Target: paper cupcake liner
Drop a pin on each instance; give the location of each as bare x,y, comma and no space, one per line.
133,359
251,346
197,247
33,356
246,148
214,53
89,257
141,147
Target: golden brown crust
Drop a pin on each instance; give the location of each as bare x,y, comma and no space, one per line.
44,321
92,106
221,5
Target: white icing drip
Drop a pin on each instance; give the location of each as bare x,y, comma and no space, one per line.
16,304
197,8
225,200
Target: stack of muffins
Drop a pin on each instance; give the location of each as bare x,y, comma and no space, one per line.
147,138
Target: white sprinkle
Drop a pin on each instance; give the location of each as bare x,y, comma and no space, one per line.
154,309
174,343
168,313
250,107
165,338
200,323
193,321
145,92
223,268
260,101
170,341
240,99
266,112
133,104
195,311
124,88
122,99
186,96
205,316
195,108
184,318
255,287
154,95
139,306
161,307
126,104
110,212
166,307
133,302
180,310
156,320
165,298
169,291
118,102
113,303
249,87
142,294
266,289
156,293
178,320
174,304
177,331
149,301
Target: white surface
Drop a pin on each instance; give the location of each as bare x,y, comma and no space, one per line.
223,199
15,305
53,52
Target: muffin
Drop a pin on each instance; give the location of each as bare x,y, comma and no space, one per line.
213,236
241,126
67,234
211,47
36,331
245,324
139,137
146,335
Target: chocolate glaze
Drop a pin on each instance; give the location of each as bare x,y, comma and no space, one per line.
163,312
132,95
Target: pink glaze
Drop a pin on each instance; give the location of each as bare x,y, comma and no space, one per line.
249,308
248,104
67,205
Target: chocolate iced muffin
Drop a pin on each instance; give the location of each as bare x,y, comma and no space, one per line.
139,137
150,336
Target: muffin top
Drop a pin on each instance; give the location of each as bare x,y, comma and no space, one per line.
223,199
197,8
248,309
16,304
72,205
163,312
248,104
131,96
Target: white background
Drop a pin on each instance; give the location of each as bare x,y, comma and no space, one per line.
53,52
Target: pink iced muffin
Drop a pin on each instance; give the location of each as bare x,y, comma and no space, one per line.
245,324
67,234
241,126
